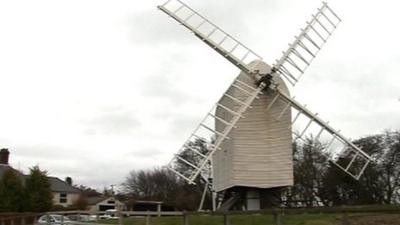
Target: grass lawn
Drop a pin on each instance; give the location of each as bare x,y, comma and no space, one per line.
304,219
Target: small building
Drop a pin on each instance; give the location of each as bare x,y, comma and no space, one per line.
147,206
103,203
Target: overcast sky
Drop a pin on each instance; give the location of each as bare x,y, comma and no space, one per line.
93,89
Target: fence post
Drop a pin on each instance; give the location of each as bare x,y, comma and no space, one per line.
185,219
226,219
159,209
36,218
277,218
120,217
345,219
147,219
47,219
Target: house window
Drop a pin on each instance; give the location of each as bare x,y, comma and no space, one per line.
111,202
63,198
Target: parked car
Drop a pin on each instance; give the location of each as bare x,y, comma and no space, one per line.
54,219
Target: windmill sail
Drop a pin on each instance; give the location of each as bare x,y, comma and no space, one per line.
290,66
226,45
206,131
305,47
336,147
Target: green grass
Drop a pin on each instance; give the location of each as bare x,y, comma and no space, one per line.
303,219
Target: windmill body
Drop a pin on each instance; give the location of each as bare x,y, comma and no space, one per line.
259,151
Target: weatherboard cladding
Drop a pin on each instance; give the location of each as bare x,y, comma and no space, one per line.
259,151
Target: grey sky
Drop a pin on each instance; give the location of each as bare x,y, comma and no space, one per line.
93,89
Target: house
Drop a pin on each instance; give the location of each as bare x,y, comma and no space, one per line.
63,193
103,203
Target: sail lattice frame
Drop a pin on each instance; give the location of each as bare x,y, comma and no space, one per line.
336,147
222,42
296,59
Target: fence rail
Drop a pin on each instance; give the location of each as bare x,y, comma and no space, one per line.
343,212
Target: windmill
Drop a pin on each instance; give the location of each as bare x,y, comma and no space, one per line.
249,132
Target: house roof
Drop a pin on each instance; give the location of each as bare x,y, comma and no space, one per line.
96,199
149,202
5,167
58,185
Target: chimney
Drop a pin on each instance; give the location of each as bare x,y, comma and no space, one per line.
4,154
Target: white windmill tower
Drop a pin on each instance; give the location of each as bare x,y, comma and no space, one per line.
248,133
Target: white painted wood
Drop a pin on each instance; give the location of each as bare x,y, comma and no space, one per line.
259,153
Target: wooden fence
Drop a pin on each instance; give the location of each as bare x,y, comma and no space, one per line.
277,214
18,218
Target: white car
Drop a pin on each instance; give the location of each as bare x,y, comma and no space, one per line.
110,214
54,219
